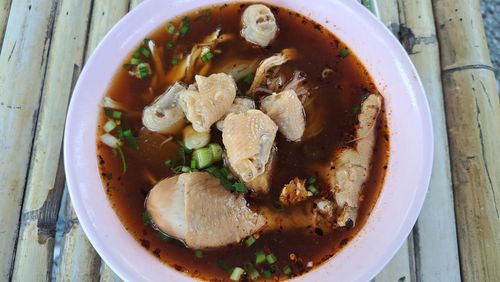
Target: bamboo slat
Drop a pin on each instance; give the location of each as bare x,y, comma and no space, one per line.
104,15
434,235
472,112
401,264
79,261
25,45
46,178
4,16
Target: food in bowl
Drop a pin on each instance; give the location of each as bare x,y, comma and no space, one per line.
243,141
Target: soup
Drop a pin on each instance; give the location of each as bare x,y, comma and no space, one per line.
242,142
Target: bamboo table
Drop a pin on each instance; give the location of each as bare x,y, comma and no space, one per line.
44,44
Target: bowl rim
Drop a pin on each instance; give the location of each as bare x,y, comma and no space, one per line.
72,133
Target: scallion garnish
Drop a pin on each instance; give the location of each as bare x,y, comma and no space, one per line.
239,187
344,53
146,219
198,254
356,109
175,61
109,125
185,169
216,150
131,139
271,259
117,115
260,257
169,163
146,41
287,270
122,156
193,164
311,180
135,61
248,79
236,274
144,70
267,274
254,274
137,55
222,265
312,189
186,20
145,51
207,57
250,241
203,157
171,29
169,45
184,30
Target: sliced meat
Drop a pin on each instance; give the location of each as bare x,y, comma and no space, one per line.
269,63
286,110
248,138
259,25
195,208
294,192
352,166
240,105
210,103
165,115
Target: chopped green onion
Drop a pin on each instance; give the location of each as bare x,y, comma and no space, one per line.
169,45
271,258
236,274
116,115
185,169
224,171
122,156
145,51
344,53
109,125
221,174
216,150
254,274
222,265
186,20
356,109
131,139
135,61
364,96
128,67
287,270
175,61
207,56
171,29
367,4
198,253
204,157
107,112
240,187
311,180
260,257
168,162
193,164
165,237
267,274
312,189
184,30
144,70
146,41
250,241
248,79
146,219
137,55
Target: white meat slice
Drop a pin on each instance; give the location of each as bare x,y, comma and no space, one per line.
248,138
259,25
286,110
210,103
240,105
195,208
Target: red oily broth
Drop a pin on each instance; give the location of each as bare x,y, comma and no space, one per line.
338,95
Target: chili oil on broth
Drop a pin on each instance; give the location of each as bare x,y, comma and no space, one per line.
339,95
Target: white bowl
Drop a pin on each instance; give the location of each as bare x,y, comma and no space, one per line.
410,126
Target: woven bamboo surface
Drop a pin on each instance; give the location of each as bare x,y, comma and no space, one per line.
45,43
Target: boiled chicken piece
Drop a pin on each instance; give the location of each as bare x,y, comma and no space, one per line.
259,25
165,115
196,209
262,183
350,168
269,63
248,138
286,110
210,103
240,105
294,192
